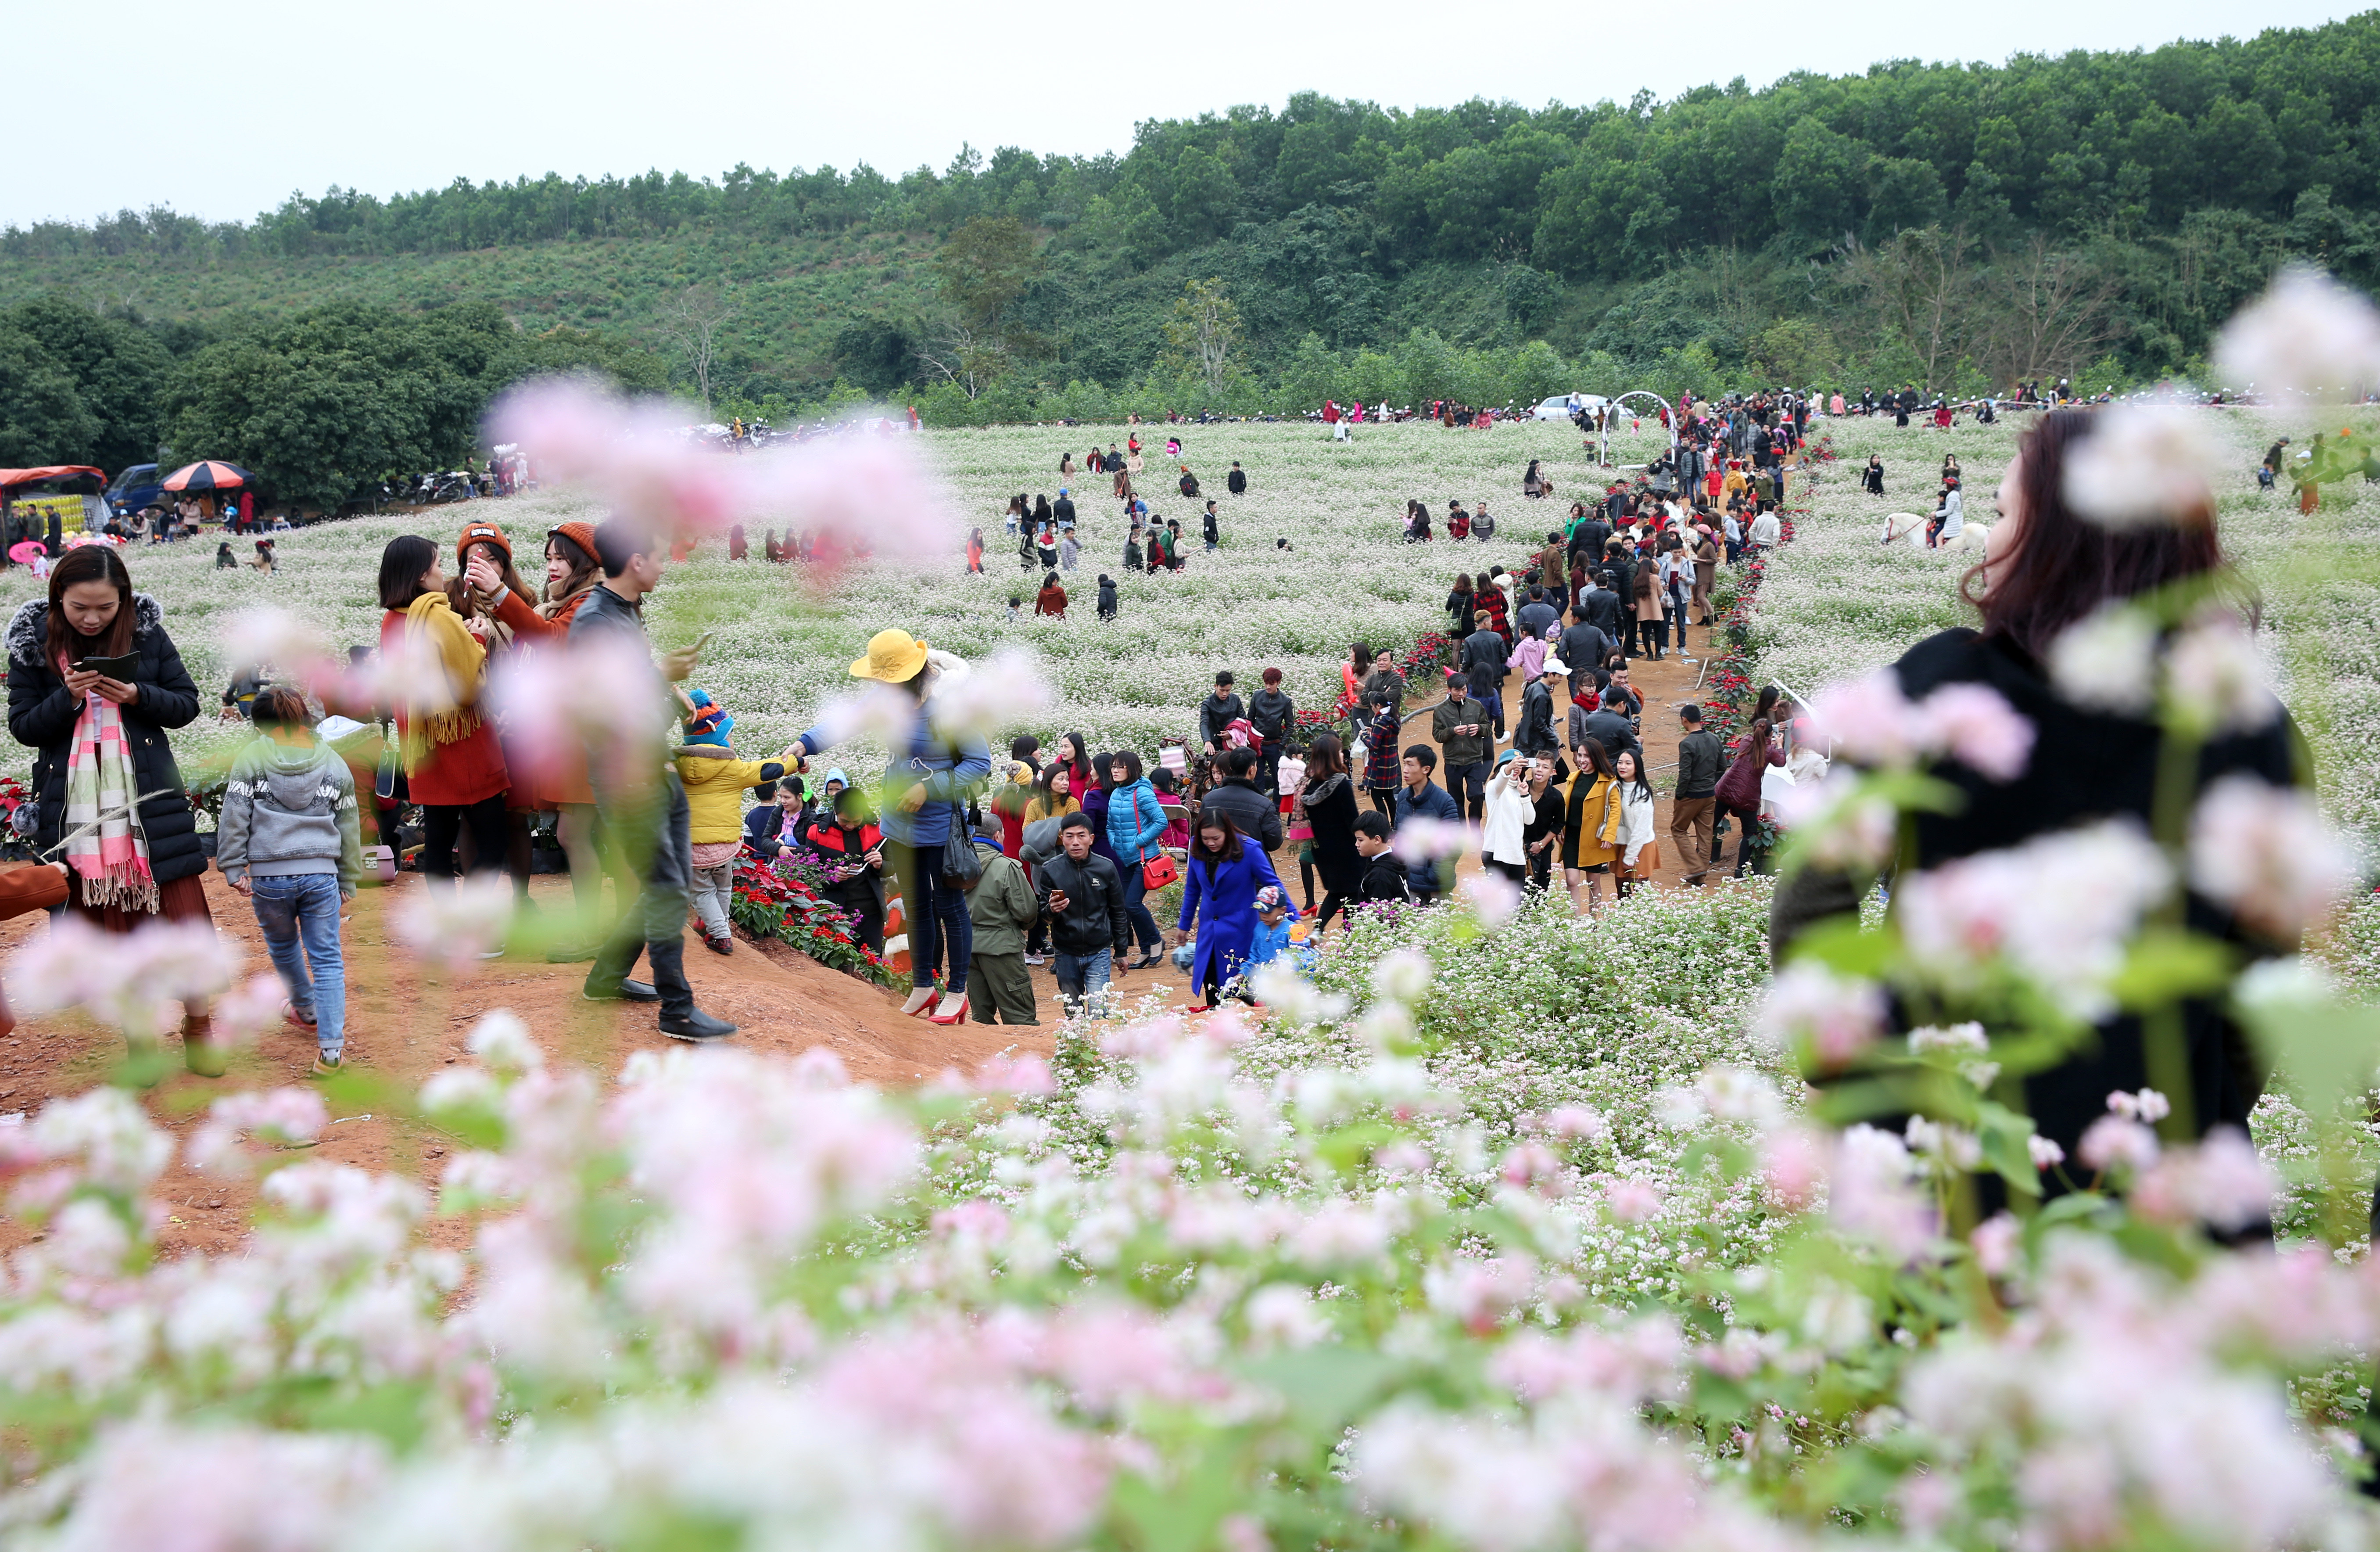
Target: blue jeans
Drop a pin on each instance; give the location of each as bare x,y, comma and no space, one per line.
1082,977
1135,892
305,907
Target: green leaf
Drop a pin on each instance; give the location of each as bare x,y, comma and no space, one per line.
2004,1134
1325,1386
2165,966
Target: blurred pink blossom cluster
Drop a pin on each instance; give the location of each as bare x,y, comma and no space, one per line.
854,493
2059,909
138,981
1873,724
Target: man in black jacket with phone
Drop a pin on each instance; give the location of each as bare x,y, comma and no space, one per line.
1082,900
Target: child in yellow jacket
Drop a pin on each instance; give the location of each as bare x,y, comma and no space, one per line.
715,782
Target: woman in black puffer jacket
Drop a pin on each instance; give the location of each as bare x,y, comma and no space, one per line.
123,874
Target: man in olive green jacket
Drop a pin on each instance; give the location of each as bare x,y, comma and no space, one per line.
1003,908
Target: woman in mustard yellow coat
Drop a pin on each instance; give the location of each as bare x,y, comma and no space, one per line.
1591,825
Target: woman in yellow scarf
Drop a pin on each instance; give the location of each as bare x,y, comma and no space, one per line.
453,765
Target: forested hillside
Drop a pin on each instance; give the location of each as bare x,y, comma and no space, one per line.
1949,225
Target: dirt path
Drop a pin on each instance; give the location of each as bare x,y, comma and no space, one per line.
403,1025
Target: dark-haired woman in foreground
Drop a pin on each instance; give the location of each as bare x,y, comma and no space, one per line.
108,798
2049,568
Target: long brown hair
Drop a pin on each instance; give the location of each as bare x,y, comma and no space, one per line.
2061,566
89,562
458,591
1324,757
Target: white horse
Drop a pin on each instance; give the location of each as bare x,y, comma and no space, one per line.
1910,527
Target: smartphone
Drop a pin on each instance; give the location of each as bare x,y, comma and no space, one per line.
118,669
703,640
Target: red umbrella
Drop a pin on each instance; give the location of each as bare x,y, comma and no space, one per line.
208,474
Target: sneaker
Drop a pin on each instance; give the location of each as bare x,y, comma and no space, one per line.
695,1025
294,1019
1035,959
324,1065
718,944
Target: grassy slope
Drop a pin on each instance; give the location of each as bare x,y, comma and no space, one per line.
793,293
1839,602
781,650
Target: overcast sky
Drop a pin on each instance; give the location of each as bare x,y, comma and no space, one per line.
223,110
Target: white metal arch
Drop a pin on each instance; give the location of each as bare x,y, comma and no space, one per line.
1661,411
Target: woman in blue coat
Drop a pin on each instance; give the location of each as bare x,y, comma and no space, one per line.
1135,824
1218,891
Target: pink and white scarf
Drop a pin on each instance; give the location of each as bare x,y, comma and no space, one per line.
105,845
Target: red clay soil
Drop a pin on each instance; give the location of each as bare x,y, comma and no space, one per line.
403,1024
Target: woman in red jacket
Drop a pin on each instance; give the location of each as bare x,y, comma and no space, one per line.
556,782
453,766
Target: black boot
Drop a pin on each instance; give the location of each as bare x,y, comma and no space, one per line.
680,1019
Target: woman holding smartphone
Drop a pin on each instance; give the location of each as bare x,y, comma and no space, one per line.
95,684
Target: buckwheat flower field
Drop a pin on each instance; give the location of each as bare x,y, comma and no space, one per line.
784,638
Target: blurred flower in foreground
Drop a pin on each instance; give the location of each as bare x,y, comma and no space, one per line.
564,709
1006,690
2267,853
137,982
850,493
2059,909
1493,898
1874,724
459,924
277,1118
2142,465
2307,334
1420,840
1823,1017
2107,660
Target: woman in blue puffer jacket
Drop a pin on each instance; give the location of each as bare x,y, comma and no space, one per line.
926,788
1136,822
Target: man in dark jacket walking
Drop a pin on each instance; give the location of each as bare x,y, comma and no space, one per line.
1211,525
1082,898
1466,741
1271,713
1694,818
1602,607
1583,647
1535,734
1254,814
1219,710
1485,653
647,814
1063,510
1609,725
1237,482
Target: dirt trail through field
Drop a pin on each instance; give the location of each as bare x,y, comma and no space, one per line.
403,1025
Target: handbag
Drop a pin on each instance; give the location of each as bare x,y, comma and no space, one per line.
961,864
1159,872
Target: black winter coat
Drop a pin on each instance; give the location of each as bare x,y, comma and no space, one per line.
1250,810
41,713
2087,765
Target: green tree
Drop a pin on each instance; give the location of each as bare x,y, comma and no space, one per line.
42,417
1817,185
117,366
1203,335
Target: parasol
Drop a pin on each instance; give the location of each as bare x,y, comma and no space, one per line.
208,475
23,553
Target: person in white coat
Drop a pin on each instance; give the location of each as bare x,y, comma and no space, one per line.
1635,822
1949,517
1504,814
